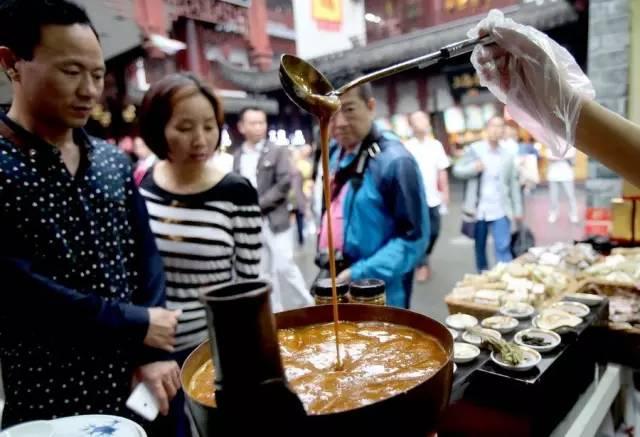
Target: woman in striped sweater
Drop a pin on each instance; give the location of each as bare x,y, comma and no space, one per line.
207,223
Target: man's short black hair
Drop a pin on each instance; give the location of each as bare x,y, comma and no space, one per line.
250,108
365,91
21,22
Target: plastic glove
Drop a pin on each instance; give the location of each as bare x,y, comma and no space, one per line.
539,81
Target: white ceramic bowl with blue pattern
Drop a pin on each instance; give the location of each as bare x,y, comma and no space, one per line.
94,425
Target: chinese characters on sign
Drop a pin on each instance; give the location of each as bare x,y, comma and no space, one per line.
463,5
212,11
462,81
465,81
327,14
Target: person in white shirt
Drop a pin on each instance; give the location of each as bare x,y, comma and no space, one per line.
433,163
560,174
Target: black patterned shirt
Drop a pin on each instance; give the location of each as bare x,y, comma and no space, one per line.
79,267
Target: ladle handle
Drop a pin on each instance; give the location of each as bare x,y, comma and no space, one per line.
447,52
464,46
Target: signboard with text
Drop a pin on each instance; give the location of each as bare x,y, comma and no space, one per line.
327,26
327,14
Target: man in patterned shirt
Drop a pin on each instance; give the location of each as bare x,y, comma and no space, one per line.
81,311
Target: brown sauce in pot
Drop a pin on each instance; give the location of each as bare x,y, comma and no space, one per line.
380,360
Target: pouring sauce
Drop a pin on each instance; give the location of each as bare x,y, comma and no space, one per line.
323,107
381,361
327,106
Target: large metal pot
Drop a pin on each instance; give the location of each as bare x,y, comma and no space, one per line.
415,412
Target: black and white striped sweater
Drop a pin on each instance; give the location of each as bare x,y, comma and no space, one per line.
205,239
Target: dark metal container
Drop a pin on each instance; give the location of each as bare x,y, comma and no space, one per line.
414,412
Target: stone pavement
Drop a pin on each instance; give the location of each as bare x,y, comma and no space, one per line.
453,254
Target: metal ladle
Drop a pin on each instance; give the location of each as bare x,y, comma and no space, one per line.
307,87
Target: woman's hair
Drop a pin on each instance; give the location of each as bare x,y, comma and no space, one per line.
157,108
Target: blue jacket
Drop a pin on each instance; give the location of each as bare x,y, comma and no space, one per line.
386,219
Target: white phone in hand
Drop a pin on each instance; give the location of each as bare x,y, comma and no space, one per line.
143,402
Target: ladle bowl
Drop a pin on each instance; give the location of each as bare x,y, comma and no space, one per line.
309,89
300,81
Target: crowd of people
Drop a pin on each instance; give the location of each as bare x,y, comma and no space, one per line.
107,264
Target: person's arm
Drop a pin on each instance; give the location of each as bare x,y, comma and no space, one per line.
154,363
406,200
277,194
468,166
150,292
247,226
82,312
443,164
610,139
443,185
34,299
547,93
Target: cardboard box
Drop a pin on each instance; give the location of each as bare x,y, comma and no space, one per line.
623,220
630,191
598,214
597,228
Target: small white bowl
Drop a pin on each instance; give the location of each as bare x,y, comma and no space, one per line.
464,352
591,300
476,340
455,334
551,337
461,321
531,360
576,308
502,324
517,310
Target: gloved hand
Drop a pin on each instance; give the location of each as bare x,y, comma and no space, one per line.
539,81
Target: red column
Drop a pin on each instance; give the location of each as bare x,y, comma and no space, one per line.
151,16
260,46
193,47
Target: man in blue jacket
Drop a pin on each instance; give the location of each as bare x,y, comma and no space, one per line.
380,215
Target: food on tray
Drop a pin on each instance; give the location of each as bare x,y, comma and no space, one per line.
621,267
463,352
461,321
553,318
518,310
570,257
510,353
576,308
624,303
476,339
585,298
513,282
537,339
529,359
500,323
380,361
531,340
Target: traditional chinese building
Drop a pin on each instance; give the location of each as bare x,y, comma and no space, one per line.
143,40
397,31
